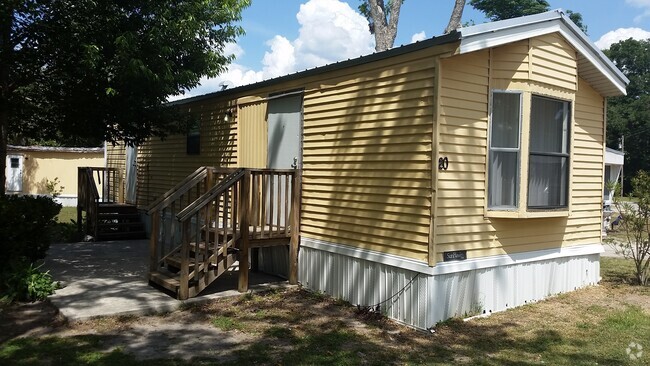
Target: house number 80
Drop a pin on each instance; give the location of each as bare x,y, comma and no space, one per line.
443,163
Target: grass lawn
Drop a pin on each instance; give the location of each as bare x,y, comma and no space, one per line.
67,215
592,326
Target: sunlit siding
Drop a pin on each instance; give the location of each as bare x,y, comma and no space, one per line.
588,163
465,82
162,164
367,156
116,158
553,62
253,134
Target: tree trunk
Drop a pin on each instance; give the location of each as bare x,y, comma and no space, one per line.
456,15
384,22
6,22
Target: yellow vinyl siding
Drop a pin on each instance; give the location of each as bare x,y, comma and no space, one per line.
367,156
116,158
253,133
162,164
460,222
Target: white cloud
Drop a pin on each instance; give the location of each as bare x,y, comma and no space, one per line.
330,31
644,5
621,34
233,49
281,60
417,37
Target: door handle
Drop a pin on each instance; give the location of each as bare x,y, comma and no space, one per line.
294,165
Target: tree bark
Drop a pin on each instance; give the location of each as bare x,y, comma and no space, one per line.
385,22
6,22
456,15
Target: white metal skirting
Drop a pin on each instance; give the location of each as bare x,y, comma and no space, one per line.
421,299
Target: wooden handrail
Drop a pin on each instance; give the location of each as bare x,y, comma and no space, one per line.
208,196
179,189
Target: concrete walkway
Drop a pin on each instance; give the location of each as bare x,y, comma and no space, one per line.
110,278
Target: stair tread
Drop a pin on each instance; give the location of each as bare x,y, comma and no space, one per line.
166,280
116,235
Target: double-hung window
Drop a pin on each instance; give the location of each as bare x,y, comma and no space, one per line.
504,155
544,185
548,165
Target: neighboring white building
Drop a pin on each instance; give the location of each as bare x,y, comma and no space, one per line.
614,160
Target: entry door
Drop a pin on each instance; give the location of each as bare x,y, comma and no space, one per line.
131,174
284,130
14,174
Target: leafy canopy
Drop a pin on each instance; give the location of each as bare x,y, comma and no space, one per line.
507,9
103,70
629,115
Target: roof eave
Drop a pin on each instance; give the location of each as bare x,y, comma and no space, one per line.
482,36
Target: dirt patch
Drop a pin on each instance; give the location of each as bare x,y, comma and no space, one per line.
28,319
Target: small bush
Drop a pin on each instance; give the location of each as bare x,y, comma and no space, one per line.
25,282
26,231
26,228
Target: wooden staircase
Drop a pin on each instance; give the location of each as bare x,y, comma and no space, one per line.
106,218
118,221
209,222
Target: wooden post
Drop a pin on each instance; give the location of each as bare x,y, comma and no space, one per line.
153,242
244,222
80,197
184,290
295,228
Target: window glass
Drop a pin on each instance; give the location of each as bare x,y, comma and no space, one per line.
15,163
194,138
548,176
505,120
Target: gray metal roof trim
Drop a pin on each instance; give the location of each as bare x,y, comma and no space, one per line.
435,41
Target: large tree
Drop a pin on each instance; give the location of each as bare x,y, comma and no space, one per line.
506,9
102,70
384,16
628,116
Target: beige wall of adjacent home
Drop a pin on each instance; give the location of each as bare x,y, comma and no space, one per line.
41,166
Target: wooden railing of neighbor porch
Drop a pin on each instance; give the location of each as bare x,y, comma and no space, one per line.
240,209
89,181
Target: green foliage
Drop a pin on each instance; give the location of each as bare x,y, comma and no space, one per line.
89,71
25,282
635,242
54,187
26,227
629,115
507,9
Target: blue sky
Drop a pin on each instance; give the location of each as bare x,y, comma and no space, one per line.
285,36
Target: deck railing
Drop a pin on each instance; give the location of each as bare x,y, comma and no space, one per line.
237,210
165,228
90,182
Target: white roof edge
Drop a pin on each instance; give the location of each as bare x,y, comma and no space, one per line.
501,32
614,151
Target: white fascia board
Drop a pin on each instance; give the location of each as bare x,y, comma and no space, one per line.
499,33
613,158
452,267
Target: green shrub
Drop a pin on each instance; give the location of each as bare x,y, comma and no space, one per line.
24,282
26,231
26,228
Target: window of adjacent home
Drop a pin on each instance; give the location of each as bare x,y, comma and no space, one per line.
546,156
194,138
